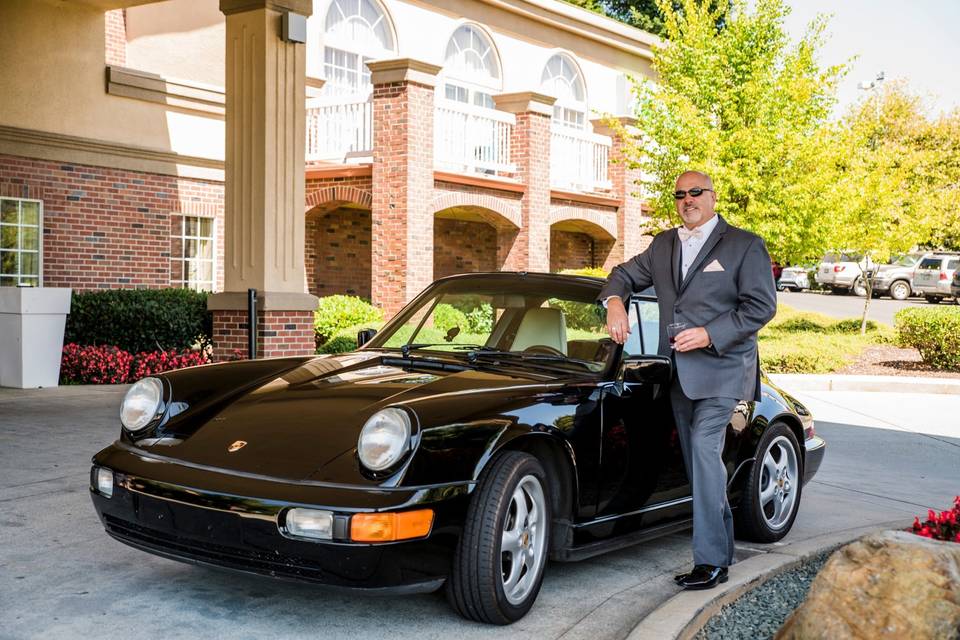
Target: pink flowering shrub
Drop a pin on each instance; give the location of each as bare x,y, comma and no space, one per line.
108,364
940,526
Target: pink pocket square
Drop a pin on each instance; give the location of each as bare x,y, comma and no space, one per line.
713,266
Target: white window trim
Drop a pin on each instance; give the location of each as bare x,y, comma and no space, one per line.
372,50
567,104
185,284
490,85
19,275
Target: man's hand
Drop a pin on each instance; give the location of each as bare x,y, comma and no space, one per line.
618,325
690,339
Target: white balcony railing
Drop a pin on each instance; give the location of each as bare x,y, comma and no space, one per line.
472,139
578,159
338,130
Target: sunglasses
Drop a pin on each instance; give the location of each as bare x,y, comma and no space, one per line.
695,192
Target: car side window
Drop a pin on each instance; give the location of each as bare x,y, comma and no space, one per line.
644,336
952,265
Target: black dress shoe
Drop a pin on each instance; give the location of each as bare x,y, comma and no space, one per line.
704,576
681,576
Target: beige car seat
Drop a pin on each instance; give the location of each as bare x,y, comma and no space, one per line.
542,326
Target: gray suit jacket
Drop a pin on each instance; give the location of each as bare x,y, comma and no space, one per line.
732,305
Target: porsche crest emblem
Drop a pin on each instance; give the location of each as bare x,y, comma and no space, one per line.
236,446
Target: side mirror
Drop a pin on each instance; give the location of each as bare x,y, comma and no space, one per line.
364,336
646,369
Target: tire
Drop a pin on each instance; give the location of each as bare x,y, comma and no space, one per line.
768,507
932,299
900,290
780,287
477,587
859,288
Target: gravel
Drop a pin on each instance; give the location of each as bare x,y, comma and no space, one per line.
760,612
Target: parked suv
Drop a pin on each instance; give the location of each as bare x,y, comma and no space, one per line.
895,279
955,286
793,278
933,275
840,272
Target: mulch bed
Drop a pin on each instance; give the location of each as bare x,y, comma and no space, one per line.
887,360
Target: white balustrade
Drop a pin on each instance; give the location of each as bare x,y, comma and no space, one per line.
472,139
578,159
339,130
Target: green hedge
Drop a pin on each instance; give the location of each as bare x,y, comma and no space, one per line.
138,320
934,332
596,272
335,313
345,339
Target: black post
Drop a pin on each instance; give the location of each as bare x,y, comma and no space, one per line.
252,324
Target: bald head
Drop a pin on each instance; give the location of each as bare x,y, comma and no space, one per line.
695,210
704,179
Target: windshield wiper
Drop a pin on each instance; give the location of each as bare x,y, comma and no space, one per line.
532,358
407,348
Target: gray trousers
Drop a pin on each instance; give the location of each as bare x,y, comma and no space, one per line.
702,426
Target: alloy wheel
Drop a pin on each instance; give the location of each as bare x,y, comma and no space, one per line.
523,542
779,482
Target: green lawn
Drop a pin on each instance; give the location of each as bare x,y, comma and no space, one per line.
807,342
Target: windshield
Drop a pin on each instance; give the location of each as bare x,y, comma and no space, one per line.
904,261
518,317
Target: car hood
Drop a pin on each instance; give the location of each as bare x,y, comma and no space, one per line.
295,424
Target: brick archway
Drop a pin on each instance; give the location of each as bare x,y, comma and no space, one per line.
500,213
600,225
338,241
335,196
580,237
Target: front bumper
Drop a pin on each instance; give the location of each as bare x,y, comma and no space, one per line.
200,516
799,282
814,449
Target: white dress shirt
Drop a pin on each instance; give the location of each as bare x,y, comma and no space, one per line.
690,247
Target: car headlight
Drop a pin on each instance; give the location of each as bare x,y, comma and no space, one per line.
384,439
143,403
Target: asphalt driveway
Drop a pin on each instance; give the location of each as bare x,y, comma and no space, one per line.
842,306
63,577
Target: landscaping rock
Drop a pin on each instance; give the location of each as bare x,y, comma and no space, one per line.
888,585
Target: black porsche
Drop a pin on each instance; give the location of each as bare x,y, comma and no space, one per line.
489,426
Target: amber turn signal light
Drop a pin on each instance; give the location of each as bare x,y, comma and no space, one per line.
388,527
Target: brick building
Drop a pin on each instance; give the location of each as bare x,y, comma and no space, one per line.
439,137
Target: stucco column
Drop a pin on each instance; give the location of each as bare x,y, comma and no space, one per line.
630,215
529,248
402,221
264,182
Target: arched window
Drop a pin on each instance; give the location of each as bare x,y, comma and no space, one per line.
355,32
561,78
471,69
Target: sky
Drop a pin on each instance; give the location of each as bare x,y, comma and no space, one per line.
914,40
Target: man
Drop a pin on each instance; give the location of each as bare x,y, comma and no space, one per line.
716,278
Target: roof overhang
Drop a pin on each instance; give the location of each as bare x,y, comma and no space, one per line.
585,24
108,5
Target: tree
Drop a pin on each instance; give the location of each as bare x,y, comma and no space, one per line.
901,178
752,110
643,14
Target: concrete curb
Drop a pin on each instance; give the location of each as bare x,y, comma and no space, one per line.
683,615
886,384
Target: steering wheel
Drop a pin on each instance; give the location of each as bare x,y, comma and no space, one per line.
542,348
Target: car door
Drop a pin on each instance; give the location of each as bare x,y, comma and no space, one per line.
641,460
927,273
